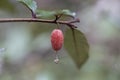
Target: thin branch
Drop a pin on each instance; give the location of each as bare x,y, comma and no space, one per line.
3,20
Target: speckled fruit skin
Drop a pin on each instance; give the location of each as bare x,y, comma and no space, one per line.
57,39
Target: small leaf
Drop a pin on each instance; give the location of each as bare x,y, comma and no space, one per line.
77,46
48,14
31,4
45,14
67,13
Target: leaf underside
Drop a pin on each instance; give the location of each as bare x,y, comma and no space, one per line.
77,46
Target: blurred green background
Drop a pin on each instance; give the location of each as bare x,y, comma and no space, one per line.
29,56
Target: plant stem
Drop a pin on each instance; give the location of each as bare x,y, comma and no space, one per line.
3,20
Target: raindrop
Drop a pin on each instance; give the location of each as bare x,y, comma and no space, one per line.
56,60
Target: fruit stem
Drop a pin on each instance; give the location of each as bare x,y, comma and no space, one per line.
56,60
58,25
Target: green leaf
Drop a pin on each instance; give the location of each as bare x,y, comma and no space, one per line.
45,14
77,46
48,14
66,12
31,4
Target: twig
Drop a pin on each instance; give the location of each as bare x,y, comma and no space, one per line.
3,20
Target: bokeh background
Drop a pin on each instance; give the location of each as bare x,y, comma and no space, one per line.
28,54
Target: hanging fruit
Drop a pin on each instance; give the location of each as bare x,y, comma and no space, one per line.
57,40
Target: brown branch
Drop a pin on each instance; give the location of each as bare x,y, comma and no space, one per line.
3,20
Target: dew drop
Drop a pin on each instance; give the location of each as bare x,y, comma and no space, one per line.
56,60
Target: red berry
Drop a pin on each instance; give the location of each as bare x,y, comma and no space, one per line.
57,39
